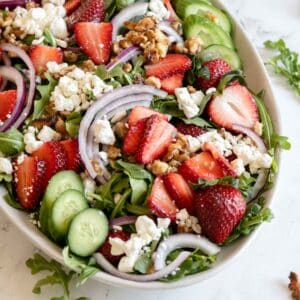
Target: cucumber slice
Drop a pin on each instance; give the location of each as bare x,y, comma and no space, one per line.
207,31
185,8
63,211
219,51
59,183
87,232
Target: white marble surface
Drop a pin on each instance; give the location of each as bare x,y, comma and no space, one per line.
261,271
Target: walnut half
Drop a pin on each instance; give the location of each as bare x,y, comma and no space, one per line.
294,285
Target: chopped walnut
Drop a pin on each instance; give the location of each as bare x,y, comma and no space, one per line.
193,45
179,48
41,122
127,67
177,26
120,129
158,167
116,48
113,152
60,126
88,66
182,228
177,148
154,81
294,285
70,56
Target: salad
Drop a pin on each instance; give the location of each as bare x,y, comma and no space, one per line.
129,135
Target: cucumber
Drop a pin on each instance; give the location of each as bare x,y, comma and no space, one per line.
184,8
219,51
59,183
207,31
63,211
87,232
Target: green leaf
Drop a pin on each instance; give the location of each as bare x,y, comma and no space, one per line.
229,77
49,39
5,177
121,4
198,122
45,93
11,142
10,198
168,106
28,39
119,206
138,210
202,183
204,103
280,141
72,124
139,189
144,261
134,170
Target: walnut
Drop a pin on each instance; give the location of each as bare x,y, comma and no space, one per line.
70,56
124,43
145,24
113,152
116,48
177,26
154,81
158,167
193,45
61,127
294,285
88,65
127,67
120,129
179,48
182,228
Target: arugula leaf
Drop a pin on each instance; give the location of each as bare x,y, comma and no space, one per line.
168,106
134,170
198,122
144,261
120,4
45,93
11,142
255,214
72,123
138,210
286,63
120,204
196,69
139,189
49,39
229,77
280,141
202,183
5,177
10,198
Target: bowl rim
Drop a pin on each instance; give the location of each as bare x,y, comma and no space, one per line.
53,251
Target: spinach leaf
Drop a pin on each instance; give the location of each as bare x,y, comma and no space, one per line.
280,141
202,183
168,106
10,198
144,261
139,189
134,170
198,122
72,124
120,204
229,77
11,142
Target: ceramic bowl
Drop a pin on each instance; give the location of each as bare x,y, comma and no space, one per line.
257,79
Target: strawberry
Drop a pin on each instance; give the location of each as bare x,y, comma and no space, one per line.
173,16
54,155
95,40
40,55
220,159
170,65
235,105
219,209
89,11
7,103
71,5
72,154
28,178
189,129
156,139
133,137
201,166
141,112
171,83
216,69
105,249
180,191
159,201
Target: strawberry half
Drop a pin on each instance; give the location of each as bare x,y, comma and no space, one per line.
219,209
235,105
156,139
28,178
220,159
40,55
189,129
95,40
171,65
54,155
171,83
141,112
7,103
216,69
180,191
159,201
71,5
201,166
89,11
72,154
133,137
105,249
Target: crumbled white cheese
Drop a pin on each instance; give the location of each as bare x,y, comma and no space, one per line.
238,166
6,166
30,140
20,158
89,186
103,132
158,10
117,197
54,67
104,157
183,218
47,134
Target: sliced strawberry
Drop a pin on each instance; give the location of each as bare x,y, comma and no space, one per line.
40,55
72,153
71,5
89,11
156,139
180,191
141,112
220,159
159,201
54,155
219,209
215,69
169,84
29,181
170,65
236,105
94,40
134,136
190,129
173,16
105,249
7,104
201,166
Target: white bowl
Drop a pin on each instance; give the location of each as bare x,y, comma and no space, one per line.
257,79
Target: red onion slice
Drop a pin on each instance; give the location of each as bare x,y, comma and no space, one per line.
7,62
122,221
252,135
29,100
259,184
15,3
182,240
126,14
13,75
124,57
109,268
170,32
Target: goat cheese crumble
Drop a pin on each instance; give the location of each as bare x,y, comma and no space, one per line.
103,132
158,10
6,166
184,219
30,140
47,134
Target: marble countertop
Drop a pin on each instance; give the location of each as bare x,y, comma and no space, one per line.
261,272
